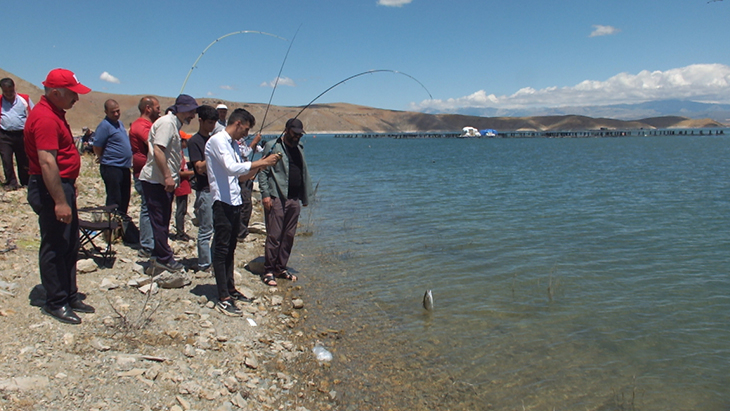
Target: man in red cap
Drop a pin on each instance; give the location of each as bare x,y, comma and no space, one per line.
54,165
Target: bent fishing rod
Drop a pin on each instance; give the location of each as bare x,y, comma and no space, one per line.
219,39
348,79
278,140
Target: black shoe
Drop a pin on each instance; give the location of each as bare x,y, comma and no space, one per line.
173,266
64,314
81,307
236,295
228,308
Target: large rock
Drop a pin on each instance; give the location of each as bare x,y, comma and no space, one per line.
172,280
256,265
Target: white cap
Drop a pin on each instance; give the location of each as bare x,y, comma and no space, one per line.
221,107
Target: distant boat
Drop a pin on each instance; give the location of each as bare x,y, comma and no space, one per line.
489,132
468,132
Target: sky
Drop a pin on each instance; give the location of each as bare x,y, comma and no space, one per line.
455,54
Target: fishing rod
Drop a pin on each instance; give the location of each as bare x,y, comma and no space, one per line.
219,39
278,76
350,78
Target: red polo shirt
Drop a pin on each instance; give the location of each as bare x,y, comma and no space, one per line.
138,133
46,129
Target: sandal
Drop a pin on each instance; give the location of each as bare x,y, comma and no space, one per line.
269,280
287,276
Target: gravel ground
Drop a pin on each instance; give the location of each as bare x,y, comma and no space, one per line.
166,350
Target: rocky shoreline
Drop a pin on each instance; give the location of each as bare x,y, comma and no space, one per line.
164,350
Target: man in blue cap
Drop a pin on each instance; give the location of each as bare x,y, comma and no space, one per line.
159,176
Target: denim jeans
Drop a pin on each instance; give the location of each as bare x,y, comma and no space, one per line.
146,240
204,213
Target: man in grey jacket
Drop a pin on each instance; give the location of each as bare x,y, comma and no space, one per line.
285,187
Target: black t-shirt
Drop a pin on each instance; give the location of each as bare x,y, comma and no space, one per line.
196,150
295,172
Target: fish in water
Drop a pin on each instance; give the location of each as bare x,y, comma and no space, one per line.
428,300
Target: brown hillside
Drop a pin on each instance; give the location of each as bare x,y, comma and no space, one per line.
343,117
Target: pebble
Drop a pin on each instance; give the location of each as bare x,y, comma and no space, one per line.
108,284
297,303
251,361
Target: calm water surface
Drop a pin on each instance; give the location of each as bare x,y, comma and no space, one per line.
567,274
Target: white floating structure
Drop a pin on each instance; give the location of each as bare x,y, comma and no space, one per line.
470,132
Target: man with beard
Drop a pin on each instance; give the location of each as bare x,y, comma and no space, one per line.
283,187
159,176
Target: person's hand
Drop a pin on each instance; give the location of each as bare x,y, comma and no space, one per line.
256,140
63,213
271,160
169,184
267,203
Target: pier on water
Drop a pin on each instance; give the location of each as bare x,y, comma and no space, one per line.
550,134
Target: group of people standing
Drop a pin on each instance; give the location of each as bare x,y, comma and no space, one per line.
153,150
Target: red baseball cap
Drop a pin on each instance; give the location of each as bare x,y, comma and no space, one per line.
62,78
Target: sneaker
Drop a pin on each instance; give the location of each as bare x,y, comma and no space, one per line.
228,308
172,266
236,295
144,252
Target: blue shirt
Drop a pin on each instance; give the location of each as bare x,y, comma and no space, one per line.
14,113
115,141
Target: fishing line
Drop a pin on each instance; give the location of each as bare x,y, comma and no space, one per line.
350,78
219,39
279,140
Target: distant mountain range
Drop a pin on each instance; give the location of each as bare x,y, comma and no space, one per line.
349,118
660,108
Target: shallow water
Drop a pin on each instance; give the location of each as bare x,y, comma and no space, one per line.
566,273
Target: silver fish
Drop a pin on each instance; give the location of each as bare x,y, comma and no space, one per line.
428,300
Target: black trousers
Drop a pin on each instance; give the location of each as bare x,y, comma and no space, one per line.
59,242
159,207
11,143
246,208
118,182
226,220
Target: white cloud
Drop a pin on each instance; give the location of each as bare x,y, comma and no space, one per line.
210,93
283,81
699,82
226,87
599,30
109,78
393,3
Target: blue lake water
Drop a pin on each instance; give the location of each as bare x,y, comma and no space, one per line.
567,274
